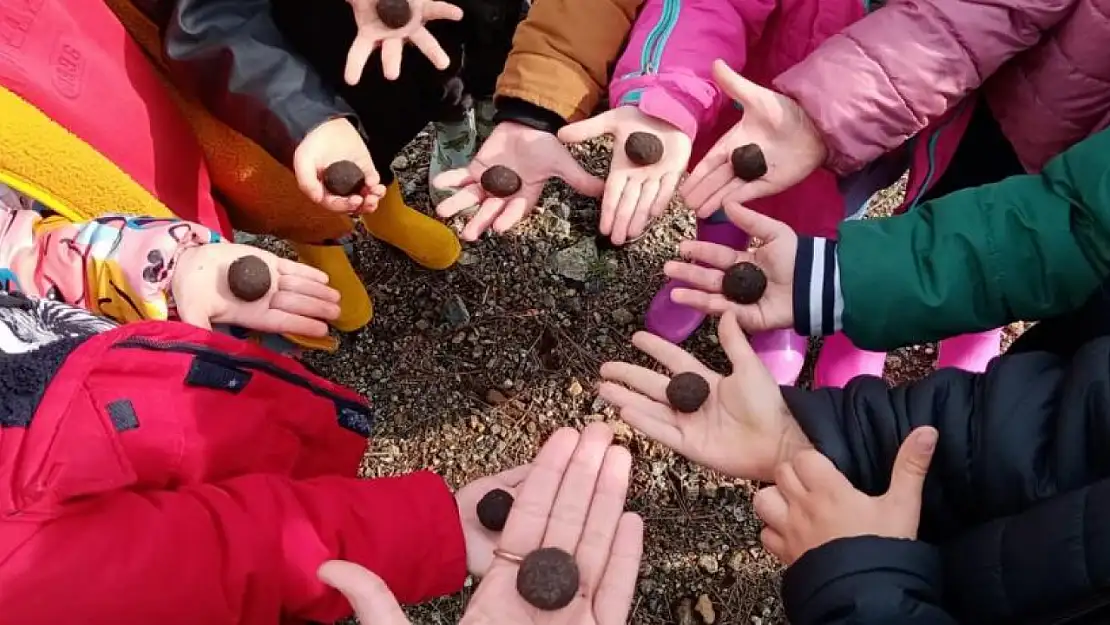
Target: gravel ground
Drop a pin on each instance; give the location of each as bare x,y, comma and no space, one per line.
471,368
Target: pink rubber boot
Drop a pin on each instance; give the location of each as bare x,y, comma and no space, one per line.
840,361
970,352
783,352
676,322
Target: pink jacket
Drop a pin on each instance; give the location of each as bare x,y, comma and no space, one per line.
1045,63
666,71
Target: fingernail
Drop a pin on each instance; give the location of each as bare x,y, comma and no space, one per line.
927,441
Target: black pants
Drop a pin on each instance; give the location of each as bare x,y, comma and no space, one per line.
393,112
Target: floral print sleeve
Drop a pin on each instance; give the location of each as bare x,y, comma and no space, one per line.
115,266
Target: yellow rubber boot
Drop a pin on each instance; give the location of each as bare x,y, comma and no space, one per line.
355,308
428,242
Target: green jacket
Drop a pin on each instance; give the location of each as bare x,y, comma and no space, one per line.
1027,248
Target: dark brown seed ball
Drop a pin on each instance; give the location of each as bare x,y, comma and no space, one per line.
643,148
687,392
748,163
394,13
344,178
744,283
500,181
548,578
248,277
493,509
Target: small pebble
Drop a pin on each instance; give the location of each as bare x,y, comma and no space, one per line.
494,508
687,392
344,178
500,181
643,148
744,283
394,13
548,579
748,163
248,278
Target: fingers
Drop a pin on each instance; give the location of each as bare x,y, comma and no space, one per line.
357,57
527,523
587,129
748,191
668,354
736,345
912,465
787,481
712,173
429,46
615,593
515,476
442,11
308,178
716,200
711,254
614,191
817,474
604,516
755,223
393,51
576,494
463,200
695,276
774,543
278,321
667,187
772,507
367,593
626,211
288,267
653,419
454,179
302,305
651,383
193,315
487,213
569,171
515,212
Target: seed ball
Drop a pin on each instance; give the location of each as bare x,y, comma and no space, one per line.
643,148
687,392
394,13
748,163
248,278
548,579
494,508
344,178
744,283
500,181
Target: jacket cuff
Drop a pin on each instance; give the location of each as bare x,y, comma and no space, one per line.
818,300
667,103
847,574
526,114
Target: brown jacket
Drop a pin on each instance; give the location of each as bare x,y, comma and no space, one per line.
562,54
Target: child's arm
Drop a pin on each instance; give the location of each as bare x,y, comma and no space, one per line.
887,77
235,58
666,69
243,551
1028,248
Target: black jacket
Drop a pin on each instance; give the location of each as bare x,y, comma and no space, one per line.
1016,511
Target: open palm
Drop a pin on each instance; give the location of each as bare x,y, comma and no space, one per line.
372,32
784,132
743,430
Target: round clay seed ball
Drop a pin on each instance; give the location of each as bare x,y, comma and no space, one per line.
493,509
687,392
394,13
344,178
744,283
248,278
643,148
548,579
500,181
748,163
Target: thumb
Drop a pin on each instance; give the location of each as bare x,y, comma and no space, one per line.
587,128
735,342
754,223
191,314
368,595
911,466
736,86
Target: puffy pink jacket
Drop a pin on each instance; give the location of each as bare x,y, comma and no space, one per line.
906,66
666,71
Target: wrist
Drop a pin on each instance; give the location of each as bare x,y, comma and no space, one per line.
818,300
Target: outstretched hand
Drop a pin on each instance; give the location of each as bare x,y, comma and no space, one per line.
812,503
534,155
368,595
371,32
703,267
634,194
299,301
784,132
743,430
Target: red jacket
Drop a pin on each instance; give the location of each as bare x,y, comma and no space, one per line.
164,475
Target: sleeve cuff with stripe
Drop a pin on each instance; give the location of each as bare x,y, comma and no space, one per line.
818,302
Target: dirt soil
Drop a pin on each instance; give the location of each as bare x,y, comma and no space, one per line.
471,368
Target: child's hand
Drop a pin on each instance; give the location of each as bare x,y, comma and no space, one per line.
372,31
812,503
480,542
534,155
743,430
333,141
704,265
790,143
368,595
299,302
634,195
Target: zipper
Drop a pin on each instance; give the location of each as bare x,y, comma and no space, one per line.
931,157
656,41
245,362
